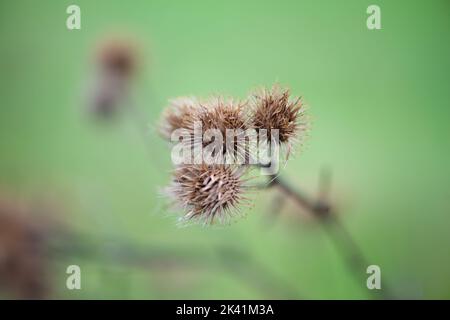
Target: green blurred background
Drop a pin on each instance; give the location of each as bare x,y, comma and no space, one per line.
379,101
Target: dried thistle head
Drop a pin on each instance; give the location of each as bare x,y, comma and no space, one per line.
178,115
217,114
222,115
274,109
208,193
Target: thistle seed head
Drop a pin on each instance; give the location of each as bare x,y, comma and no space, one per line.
208,193
178,115
214,114
222,115
274,109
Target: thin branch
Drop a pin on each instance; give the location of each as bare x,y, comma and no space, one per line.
153,257
347,247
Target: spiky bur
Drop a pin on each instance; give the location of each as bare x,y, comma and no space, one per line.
212,192
275,109
220,114
178,115
215,113
208,193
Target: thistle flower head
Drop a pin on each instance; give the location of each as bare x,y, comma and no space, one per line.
217,114
223,115
274,109
178,115
208,192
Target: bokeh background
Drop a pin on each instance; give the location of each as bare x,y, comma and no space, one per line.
379,102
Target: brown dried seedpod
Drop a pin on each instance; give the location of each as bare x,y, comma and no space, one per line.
178,115
274,109
222,115
208,193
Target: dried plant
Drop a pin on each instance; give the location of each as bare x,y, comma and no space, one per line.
271,109
275,109
179,114
222,115
208,193
219,113
215,113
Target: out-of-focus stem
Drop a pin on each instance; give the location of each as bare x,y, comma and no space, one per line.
347,247
124,253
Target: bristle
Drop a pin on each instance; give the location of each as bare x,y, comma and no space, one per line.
212,191
275,109
222,115
178,115
208,193
215,113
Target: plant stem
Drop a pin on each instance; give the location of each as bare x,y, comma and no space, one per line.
157,257
347,247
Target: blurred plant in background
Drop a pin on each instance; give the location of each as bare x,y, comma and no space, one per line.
116,62
25,233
